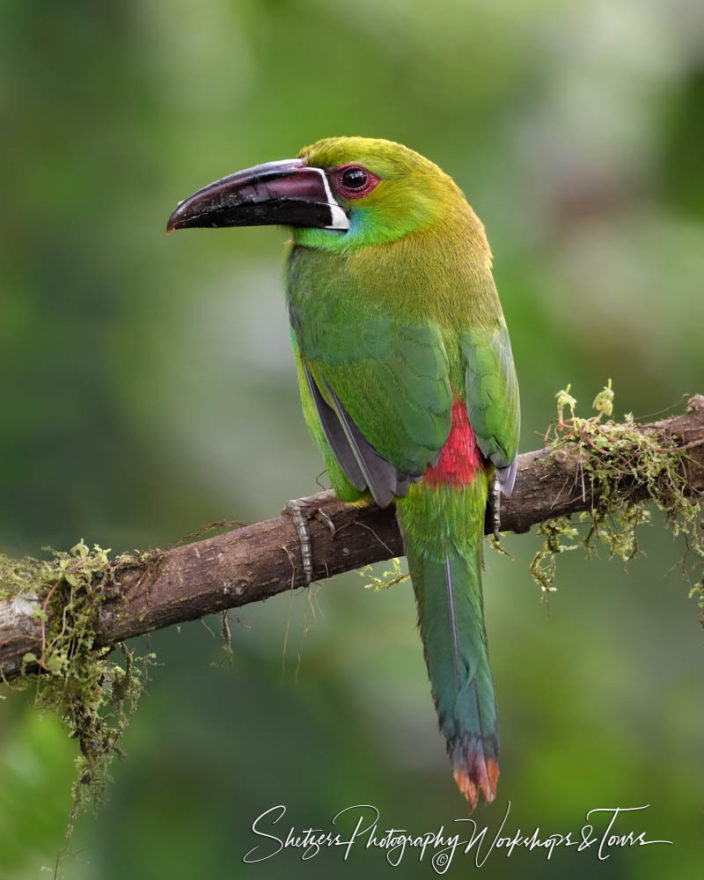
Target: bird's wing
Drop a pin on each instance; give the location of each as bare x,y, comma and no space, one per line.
492,398
382,393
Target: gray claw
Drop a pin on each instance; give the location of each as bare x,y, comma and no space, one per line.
325,520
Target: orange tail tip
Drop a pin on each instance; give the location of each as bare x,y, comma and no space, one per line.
484,778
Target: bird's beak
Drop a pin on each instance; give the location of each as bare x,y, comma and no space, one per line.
286,193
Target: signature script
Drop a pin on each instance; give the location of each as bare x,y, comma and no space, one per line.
359,826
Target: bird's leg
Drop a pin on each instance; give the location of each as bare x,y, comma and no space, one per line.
496,506
301,510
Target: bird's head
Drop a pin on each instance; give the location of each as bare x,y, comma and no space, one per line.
338,194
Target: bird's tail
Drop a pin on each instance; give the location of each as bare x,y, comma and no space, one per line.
443,530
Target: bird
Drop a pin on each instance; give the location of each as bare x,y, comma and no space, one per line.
407,382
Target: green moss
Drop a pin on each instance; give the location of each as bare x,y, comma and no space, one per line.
544,565
92,693
623,471
387,579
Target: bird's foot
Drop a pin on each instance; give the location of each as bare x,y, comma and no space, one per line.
496,507
301,510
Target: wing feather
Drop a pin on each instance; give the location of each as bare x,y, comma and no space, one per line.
493,405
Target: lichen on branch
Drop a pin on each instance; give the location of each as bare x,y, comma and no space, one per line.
623,469
82,682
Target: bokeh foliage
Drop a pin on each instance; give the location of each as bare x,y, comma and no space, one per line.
148,388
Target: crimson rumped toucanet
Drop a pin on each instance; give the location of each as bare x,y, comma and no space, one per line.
407,381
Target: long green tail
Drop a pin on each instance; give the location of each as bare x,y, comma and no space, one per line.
443,529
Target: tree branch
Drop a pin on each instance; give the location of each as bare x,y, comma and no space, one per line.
257,561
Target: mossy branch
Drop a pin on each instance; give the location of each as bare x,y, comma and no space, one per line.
138,593
61,617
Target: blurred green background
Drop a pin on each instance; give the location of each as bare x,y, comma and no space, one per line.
148,389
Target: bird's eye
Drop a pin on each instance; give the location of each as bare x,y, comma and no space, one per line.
354,178
352,181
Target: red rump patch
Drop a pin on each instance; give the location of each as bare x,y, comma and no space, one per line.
460,456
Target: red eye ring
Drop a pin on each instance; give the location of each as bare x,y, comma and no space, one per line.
353,181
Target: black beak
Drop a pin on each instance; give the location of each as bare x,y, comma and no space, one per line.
286,193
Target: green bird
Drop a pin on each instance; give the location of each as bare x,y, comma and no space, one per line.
407,381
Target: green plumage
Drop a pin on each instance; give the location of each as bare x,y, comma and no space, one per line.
446,566
407,381
492,392
391,375
393,323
